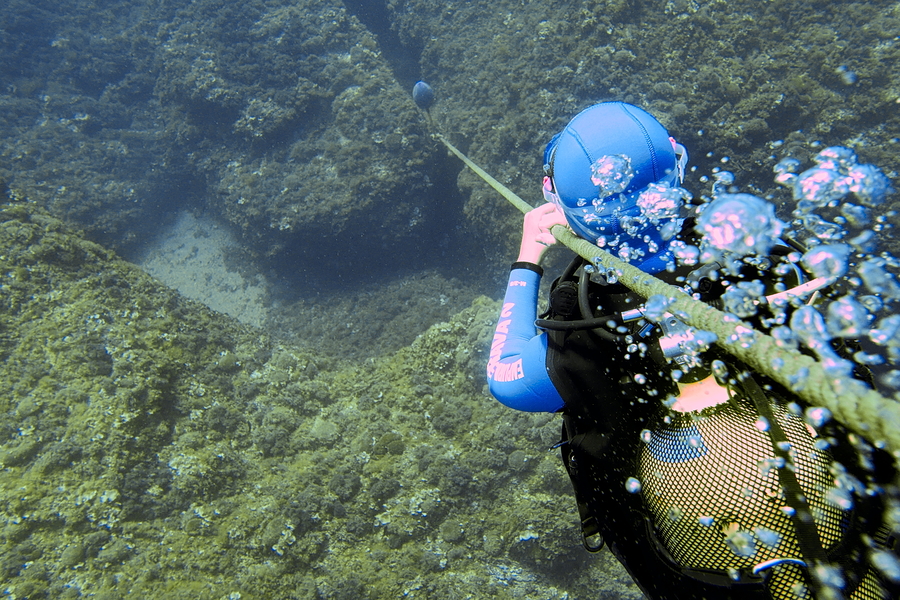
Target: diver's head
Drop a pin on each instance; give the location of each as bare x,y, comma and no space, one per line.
613,170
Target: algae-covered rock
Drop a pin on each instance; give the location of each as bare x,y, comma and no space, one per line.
732,81
315,141
294,121
283,119
153,444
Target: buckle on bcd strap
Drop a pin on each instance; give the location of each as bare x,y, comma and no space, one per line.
591,537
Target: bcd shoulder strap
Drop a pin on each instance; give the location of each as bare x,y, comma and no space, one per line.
800,514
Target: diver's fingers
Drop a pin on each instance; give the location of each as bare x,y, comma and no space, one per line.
553,218
546,238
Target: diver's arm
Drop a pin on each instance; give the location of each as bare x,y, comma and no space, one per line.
517,375
516,370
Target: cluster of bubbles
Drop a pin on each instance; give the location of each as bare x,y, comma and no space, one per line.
833,231
834,202
611,174
659,209
833,219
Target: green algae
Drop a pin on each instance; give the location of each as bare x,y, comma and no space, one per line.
155,446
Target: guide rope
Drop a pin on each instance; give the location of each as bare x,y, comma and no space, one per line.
852,402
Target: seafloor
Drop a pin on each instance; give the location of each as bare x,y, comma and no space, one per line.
337,441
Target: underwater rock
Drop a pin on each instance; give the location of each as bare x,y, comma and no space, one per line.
249,463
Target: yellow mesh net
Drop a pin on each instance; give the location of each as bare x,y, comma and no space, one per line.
712,487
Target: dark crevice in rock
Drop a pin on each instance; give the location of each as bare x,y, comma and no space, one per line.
403,59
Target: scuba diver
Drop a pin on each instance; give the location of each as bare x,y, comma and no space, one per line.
703,479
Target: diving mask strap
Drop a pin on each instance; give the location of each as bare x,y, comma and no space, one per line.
681,159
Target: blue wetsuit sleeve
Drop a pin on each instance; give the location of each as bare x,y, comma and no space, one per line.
516,372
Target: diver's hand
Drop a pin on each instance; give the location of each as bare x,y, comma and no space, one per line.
536,236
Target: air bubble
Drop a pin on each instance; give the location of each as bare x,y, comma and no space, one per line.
820,186
821,444
840,498
656,307
828,575
855,214
809,327
768,537
887,333
827,260
740,224
719,369
633,485
766,466
685,253
817,416
741,543
847,76
836,158
742,299
877,279
847,318
787,165
887,563
660,201
799,379
784,338
612,174
869,184
865,242
868,359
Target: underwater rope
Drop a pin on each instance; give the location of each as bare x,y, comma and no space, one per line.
860,408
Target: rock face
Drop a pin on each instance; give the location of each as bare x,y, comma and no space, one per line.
312,141
284,120
294,121
147,436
